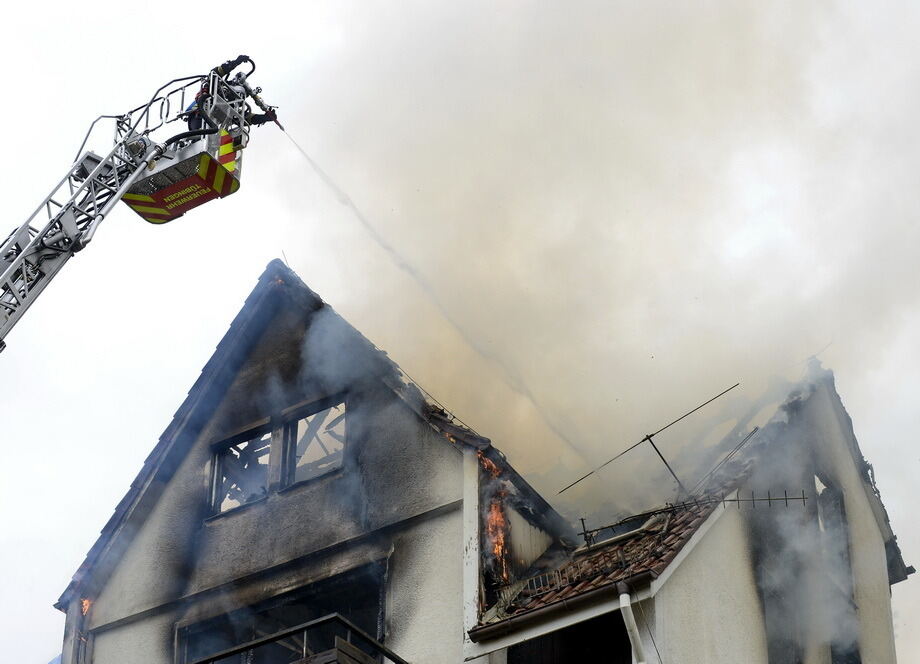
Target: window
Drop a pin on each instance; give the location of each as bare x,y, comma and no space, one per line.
307,444
315,443
241,472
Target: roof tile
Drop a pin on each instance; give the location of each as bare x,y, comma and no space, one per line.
602,565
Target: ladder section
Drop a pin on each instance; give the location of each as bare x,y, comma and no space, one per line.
34,253
66,220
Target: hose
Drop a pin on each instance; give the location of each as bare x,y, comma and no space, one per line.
195,132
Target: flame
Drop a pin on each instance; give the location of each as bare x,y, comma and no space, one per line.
497,531
85,604
488,465
496,523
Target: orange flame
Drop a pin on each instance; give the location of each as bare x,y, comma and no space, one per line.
85,604
488,465
497,531
496,523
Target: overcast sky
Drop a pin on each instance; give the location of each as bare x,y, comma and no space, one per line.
618,209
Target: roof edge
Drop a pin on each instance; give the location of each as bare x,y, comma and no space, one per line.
495,630
277,280
898,570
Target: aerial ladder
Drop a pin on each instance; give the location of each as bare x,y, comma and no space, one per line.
160,179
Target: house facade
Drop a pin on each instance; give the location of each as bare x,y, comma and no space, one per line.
309,504
784,556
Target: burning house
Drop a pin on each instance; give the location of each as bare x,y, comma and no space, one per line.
740,568
305,504
308,504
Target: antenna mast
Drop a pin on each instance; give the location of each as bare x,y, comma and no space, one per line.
648,438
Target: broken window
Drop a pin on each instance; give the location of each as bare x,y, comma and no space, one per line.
315,443
835,544
241,471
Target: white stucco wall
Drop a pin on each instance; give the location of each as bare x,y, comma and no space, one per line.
139,643
708,609
424,611
867,548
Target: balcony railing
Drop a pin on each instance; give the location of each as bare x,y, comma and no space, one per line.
326,640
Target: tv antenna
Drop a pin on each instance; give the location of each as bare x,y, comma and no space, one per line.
649,438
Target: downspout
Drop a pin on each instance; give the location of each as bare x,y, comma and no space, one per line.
630,620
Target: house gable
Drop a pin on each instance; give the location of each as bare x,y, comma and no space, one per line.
284,348
189,419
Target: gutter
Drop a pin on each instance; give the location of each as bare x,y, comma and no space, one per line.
494,630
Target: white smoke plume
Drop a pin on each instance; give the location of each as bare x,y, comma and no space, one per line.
633,206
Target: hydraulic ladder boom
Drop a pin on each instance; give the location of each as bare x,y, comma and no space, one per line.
64,223
160,181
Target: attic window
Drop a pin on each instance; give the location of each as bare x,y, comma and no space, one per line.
241,472
315,443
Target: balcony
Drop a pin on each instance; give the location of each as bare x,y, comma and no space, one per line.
327,640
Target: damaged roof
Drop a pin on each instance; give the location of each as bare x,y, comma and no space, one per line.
635,557
639,556
898,570
277,287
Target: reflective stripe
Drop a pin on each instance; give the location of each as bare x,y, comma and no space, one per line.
149,210
203,163
211,180
227,153
219,180
140,197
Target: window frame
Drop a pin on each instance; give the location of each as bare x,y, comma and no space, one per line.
217,451
281,454
288,427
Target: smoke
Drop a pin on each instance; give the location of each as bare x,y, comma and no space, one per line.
801,550
507,373
630,206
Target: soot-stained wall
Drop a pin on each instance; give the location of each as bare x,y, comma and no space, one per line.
872,593
424,594
822,567
396,500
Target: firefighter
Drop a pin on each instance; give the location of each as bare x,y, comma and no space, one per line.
194,118
259,119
